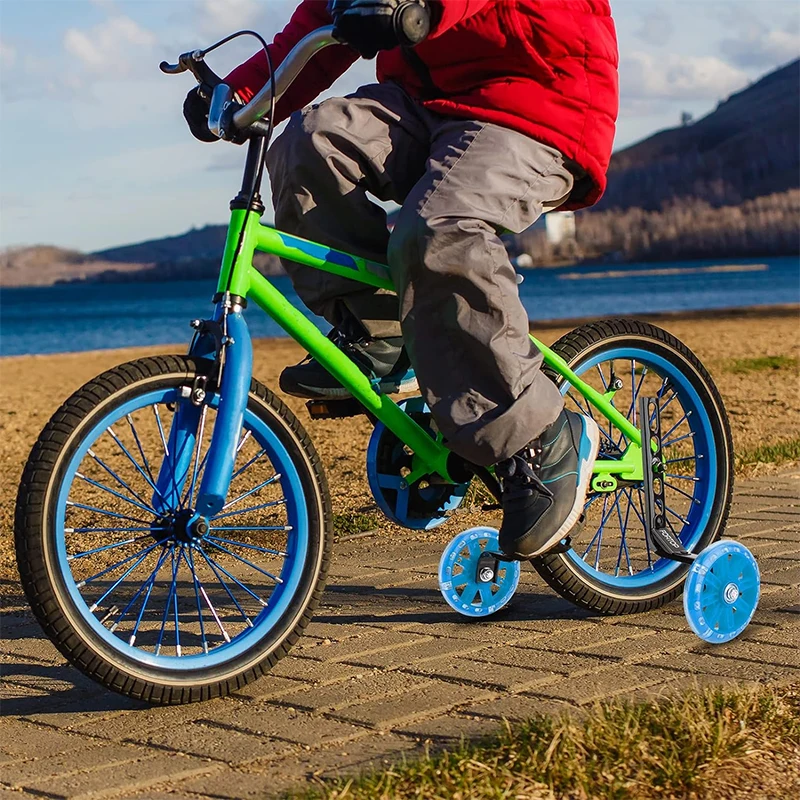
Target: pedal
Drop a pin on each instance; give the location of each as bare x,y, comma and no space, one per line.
335,409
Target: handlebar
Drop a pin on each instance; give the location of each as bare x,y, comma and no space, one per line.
285,75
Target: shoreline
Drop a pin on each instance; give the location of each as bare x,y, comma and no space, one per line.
758,312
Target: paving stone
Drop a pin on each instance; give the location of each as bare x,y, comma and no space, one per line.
498,677
519,708
431,699
217,741
305,669
361,687
370,642
622,680
449,730
755,651
27,740
230,784
700,664
114,779
554,662
88,757
282,725
416,652
637,648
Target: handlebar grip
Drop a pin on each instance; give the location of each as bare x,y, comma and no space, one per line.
172,69
412,24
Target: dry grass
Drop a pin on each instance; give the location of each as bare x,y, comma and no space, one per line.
702,744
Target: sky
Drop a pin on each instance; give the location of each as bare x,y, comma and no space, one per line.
94,151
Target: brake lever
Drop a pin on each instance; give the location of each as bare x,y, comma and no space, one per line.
194,62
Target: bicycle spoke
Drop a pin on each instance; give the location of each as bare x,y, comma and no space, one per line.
675,441
225,587
644,525
164,618
96,604
96,510
147,581
245,561
252,461
283,528
597,532
175,608
683,458
167,455
601,530
602,377
225,634
107,547
680,491
190,564
249,546
114,475
113,530
679,422
146,600
198,445
80,584
145,462
623,527
676,514
681,477
104,488
252,491
113,435
271,504
233,578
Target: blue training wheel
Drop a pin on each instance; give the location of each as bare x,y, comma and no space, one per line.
721,591
466,591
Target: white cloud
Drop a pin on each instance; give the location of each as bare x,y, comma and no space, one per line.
656,27
674,77
8,55
220,17
757,46
110,46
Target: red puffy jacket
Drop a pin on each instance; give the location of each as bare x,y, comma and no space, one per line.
546,68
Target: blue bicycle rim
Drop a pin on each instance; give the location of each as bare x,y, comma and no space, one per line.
625,508
213,647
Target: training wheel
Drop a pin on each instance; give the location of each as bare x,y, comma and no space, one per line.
473,586
721,591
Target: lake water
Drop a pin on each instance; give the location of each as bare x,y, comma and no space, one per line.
57,319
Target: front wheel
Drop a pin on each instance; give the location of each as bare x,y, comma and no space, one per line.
611,568
124,581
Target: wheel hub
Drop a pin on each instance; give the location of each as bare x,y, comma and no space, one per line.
185,527
731,593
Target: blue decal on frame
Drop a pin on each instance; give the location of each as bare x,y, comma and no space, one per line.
320,251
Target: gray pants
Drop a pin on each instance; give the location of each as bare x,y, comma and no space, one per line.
461,183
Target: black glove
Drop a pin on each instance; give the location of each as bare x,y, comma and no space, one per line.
195,112
372,25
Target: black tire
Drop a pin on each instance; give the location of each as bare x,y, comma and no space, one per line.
44,584
558,570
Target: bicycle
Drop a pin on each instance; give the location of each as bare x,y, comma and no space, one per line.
173,525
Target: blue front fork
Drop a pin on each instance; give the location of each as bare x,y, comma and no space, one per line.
221,455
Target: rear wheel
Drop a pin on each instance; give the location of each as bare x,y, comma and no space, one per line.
124,581
610,568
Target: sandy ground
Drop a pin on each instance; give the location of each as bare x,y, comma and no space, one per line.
764,406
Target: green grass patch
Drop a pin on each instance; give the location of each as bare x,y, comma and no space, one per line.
741,366
776,453
353,522
622,751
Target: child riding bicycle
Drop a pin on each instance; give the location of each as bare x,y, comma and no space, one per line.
502,110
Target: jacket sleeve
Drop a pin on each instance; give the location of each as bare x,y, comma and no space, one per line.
320,72
454,11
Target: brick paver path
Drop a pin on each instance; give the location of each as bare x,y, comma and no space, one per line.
385,668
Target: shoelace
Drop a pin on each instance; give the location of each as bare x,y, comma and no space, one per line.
519,473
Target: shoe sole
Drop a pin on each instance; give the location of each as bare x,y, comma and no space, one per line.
318,393
591,441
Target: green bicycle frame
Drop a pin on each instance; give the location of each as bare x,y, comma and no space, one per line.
239,277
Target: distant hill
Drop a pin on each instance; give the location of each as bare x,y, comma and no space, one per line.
748,147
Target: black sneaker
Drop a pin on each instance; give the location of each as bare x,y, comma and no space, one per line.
385,361
545,485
